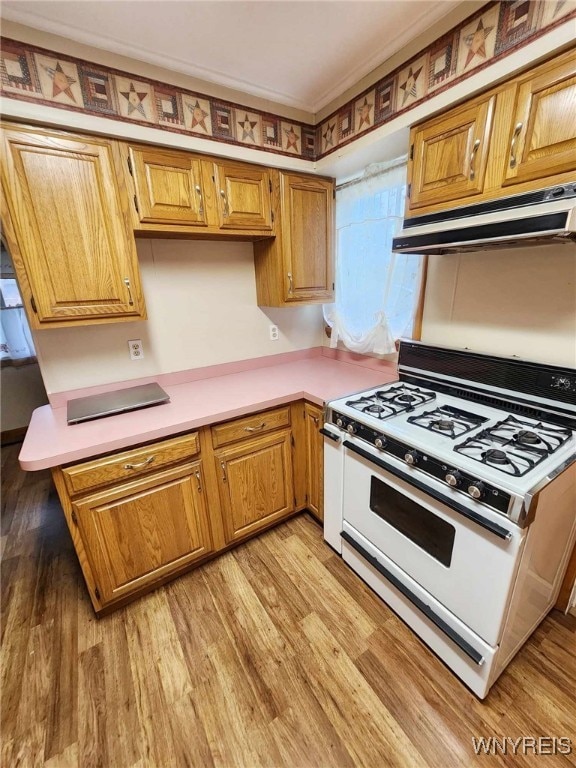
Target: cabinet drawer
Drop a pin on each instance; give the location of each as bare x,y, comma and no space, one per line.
250,426
124,466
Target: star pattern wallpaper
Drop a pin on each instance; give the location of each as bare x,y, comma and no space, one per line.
29,73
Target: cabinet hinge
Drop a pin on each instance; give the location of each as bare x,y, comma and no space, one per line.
130,166
33,305
411,151
332,286
136,204
74,518
97,593
292,440
272,215
333,193
270,184
409,191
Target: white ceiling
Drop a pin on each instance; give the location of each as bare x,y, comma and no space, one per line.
302,53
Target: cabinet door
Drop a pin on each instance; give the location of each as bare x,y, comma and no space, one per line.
69,219
307,225
169,187
243,193
136,533
256,486
449,154
542,138
314,460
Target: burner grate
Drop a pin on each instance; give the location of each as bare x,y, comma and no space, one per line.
385,403
514,446
447,420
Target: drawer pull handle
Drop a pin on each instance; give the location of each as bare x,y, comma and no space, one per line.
255,429
223,466
127,284
290,283
145,463
223,196
472,158
199,193
315,420
517,130
197,475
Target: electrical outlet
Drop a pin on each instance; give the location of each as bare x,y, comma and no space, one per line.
136,349
273,333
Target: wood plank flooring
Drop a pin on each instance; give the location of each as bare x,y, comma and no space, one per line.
275,654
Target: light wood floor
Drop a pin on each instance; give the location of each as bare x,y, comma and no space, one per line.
273,655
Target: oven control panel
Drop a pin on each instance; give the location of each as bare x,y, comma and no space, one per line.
455,478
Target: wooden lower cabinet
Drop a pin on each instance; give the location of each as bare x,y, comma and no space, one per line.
131,535
140,517
313,417
255,483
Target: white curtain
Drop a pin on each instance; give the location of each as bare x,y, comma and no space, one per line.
15,337
376,290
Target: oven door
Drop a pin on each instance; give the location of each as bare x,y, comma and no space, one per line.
464,556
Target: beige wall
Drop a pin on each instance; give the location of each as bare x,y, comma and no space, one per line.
22,391
201,300
511,302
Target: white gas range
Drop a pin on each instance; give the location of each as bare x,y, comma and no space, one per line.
452,495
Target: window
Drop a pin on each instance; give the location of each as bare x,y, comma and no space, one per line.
377,291
16,345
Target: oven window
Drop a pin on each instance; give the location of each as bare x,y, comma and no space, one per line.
418,524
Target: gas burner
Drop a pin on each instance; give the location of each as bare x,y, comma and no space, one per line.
406,398
515,446
375,408
495,456
526,437
448,421
443,425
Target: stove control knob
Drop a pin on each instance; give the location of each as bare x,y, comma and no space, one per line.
351,428
476,489
411,457
379,442
339,423
453,478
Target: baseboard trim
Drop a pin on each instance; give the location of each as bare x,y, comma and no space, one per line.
10,436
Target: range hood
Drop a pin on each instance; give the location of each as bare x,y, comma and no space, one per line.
545,216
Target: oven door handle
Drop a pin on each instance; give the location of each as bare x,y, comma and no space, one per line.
331,435
497,530
416,601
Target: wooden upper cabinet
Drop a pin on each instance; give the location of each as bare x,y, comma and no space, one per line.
169,186
256,486
298,265
307,221
243,194
66,221
542,136
449,154
137,533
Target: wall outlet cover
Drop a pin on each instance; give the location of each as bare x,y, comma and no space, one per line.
136,349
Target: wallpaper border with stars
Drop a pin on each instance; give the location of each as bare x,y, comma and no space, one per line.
30,73
491,33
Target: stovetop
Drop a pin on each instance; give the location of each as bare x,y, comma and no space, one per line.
513,452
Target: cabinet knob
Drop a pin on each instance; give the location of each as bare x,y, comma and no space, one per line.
223,196
127,284
199,193
255,429
515,135
149,460
473,157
